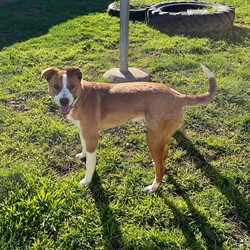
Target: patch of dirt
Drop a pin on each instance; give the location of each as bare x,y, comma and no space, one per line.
18,104
63,162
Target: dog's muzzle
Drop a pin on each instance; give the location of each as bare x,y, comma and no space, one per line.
64,101
64,105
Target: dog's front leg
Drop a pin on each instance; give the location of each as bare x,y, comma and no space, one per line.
90,168
91,139
83,153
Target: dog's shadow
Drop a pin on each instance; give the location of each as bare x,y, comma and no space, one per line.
211,235
111,230
227,187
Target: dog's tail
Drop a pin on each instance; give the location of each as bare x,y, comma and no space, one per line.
204,98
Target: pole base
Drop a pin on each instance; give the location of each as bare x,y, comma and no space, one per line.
131,75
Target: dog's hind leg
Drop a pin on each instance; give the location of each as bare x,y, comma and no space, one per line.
158,139
156,147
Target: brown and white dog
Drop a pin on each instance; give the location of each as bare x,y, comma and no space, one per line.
95,106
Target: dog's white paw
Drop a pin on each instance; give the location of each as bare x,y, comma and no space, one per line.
151,188
81,156
84,183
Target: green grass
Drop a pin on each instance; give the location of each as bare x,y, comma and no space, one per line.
136,4
203,201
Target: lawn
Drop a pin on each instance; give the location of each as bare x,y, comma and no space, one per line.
203,201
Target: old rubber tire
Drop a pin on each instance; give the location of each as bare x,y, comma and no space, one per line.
190,17
135,15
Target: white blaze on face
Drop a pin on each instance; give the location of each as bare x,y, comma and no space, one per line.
64,94
64,81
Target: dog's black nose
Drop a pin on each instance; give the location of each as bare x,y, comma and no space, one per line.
64,101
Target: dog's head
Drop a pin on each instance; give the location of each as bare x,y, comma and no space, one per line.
64,86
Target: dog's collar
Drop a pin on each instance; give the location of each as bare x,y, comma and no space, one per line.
73,105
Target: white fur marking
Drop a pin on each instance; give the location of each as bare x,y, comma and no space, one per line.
64,89
83,143
152,188
64,93
90,169
207,71
138,119
64,80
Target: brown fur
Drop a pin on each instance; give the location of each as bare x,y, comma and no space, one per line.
103,106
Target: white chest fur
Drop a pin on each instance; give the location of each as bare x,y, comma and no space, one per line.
76,122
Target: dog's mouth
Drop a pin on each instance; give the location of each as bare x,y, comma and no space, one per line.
65,109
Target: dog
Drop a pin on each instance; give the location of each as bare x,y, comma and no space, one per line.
93,106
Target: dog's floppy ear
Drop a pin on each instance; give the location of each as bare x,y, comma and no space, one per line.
74,71
49,73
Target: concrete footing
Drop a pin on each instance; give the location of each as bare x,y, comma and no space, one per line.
131,75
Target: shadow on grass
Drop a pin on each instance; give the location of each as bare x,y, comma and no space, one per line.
111,230
187,224
26,19
236,35
227,188
213,238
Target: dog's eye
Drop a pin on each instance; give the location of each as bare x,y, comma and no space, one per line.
71,86
56,86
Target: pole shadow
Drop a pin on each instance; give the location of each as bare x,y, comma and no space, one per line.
112,233
227,187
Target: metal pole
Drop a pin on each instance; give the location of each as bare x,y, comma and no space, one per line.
124,30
